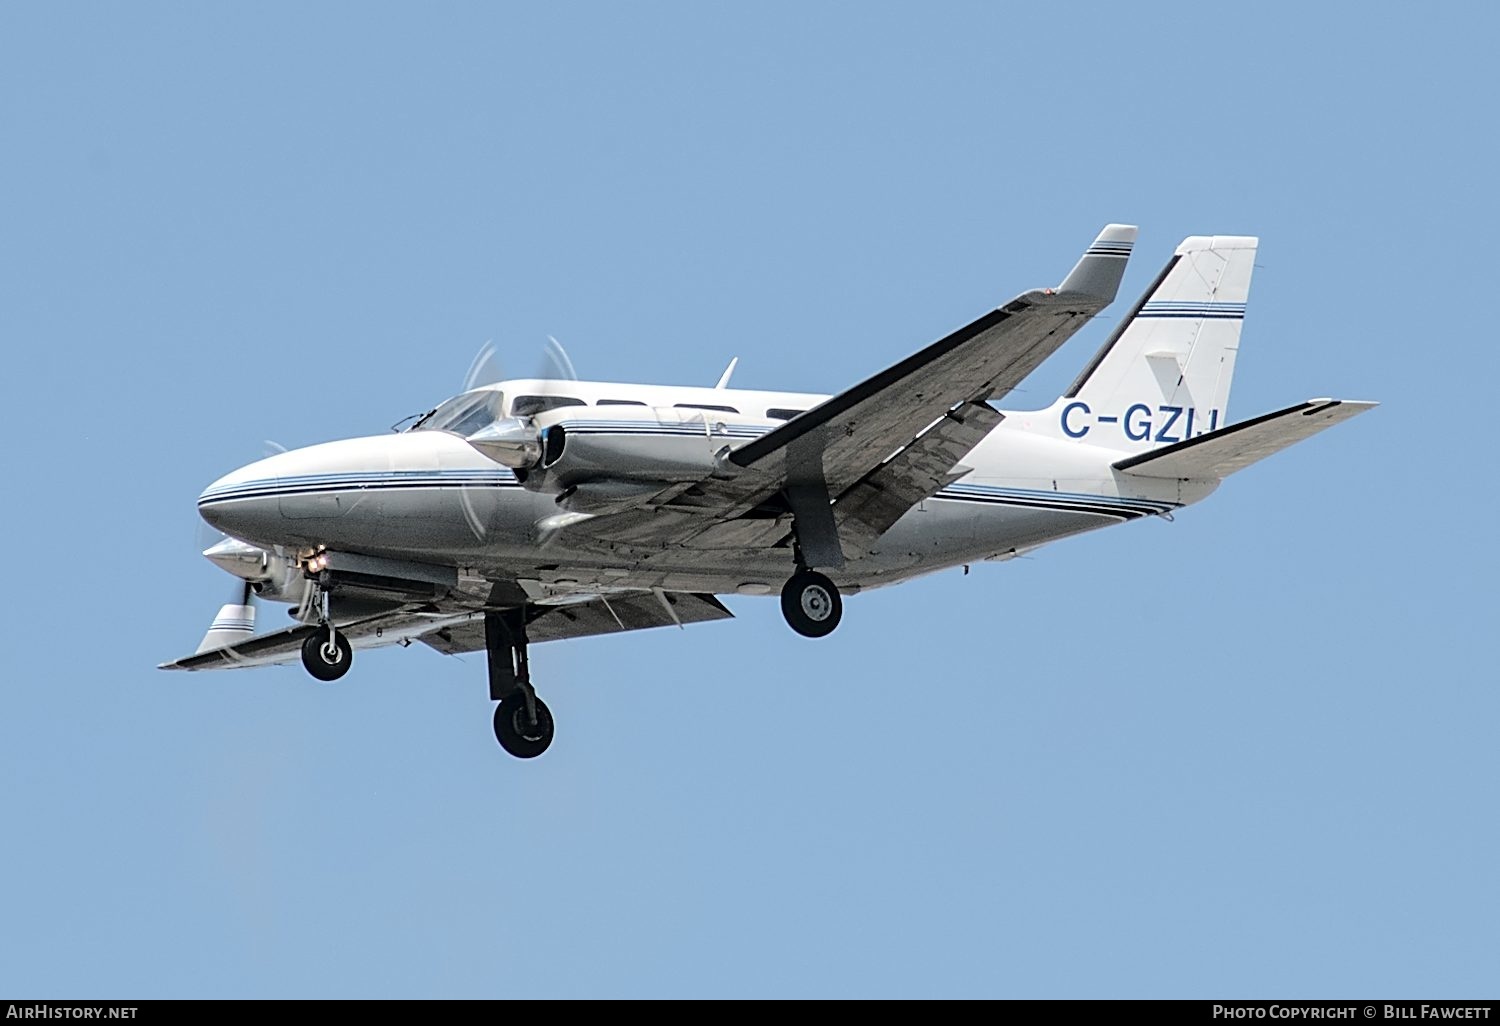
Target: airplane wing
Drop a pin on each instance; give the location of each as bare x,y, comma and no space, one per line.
285,645
842,439
930,463
455,632
877,444
603,615
1220,453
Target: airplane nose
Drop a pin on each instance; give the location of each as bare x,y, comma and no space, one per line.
307,493
243,503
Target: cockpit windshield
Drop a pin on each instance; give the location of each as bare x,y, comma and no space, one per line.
464,414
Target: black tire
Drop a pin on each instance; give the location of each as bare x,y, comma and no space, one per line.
514,731
811,604
316,658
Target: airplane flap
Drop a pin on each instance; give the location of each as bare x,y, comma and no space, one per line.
1220,453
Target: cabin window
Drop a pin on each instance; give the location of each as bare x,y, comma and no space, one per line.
784,414
619,402
706,406
527,405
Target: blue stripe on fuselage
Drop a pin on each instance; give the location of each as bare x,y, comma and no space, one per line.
1118,507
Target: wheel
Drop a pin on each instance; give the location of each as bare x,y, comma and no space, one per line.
811,604
514,730
326,654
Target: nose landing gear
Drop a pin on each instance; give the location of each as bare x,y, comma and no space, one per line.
326,653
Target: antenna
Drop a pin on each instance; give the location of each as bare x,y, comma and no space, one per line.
724,378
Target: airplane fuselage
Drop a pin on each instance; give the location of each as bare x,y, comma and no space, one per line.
431,496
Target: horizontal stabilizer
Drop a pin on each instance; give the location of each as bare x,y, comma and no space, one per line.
1220,453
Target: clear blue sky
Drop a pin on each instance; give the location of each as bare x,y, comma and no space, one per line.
1249,753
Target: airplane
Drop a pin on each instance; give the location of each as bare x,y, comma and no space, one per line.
535,510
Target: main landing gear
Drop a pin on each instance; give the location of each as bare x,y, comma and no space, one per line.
811,604
523,723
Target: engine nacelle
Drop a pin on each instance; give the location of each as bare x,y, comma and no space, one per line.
575,454
600,459
287,585
272,577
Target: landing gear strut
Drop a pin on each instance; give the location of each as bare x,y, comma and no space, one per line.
523,723
811,604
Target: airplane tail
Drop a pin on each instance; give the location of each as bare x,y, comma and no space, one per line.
1163,375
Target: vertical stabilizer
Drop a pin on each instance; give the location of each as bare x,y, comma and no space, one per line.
1164,374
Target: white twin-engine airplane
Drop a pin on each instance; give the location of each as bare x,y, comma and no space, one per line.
536,510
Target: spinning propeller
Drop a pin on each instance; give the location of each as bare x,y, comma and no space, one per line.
513,441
